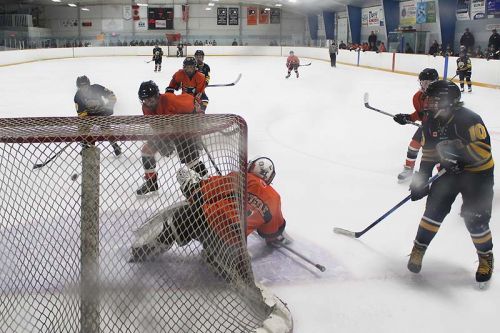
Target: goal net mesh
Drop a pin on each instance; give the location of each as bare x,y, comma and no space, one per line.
68,227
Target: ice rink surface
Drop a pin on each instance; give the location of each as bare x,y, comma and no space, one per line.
336,165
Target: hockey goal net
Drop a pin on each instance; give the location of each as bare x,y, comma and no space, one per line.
69,216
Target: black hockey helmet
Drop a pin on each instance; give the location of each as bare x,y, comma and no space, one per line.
428,74
445,93
262,167
82,81
199,52
189,61
148,89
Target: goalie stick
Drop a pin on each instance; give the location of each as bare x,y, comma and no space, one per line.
368,106
226,84
301,256
358,234
40,165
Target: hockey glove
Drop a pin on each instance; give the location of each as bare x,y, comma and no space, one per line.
451,155
191,90
418,186
169,90
402,118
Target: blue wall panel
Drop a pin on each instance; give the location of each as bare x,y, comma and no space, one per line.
329,20
354,14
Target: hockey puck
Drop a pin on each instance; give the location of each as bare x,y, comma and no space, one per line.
74,176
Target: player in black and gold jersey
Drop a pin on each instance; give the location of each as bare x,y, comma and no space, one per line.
464,70
204,69
157,57
457,139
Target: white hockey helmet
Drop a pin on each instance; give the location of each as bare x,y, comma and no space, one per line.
263,168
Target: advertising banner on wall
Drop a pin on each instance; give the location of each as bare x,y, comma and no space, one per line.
234,16
407,13
372,16
426,12
252,16
493,8
263,16
222,16
463,10
478,9
160,18
141,25
275,16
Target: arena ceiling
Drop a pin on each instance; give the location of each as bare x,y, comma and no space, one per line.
293,5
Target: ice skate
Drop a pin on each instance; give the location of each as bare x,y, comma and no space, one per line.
416,256
469,90
147,252
405,175
485,269
288,75
297,75
149,187
462,90
116,149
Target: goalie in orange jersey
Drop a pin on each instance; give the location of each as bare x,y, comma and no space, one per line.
292,62
212,214
190,81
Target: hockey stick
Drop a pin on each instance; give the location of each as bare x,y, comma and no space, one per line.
399,204
210,158
147,62
301,256
226,84
39,165
309,64
368,106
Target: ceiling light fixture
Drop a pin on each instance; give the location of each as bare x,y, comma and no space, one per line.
85,9
142,4
208,8
278,5
56,0
71,5
210,4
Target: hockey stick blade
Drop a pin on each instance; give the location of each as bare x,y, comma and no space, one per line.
226,84
309,64
345,232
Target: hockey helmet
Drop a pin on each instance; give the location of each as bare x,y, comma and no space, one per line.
148,89
82,81
442,95
189,61
263,168
292,53
427,76
199,53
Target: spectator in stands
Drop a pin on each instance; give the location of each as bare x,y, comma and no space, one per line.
434,49
467,40
448,51
478,53
494,40
372,41
214,43
365,47
382,47
492,53
235,43
342,45
408,48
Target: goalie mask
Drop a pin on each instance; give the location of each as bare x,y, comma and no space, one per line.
263,168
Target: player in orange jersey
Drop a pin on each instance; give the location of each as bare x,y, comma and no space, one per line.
189,80
154,103
292,62
426,77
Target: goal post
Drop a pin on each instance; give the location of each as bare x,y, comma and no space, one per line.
68,228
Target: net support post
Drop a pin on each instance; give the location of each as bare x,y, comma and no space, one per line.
89,241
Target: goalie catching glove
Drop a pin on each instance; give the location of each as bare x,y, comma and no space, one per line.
188,180
451,155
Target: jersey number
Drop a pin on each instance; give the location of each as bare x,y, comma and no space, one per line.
477,132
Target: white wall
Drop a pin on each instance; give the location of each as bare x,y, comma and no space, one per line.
485,73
